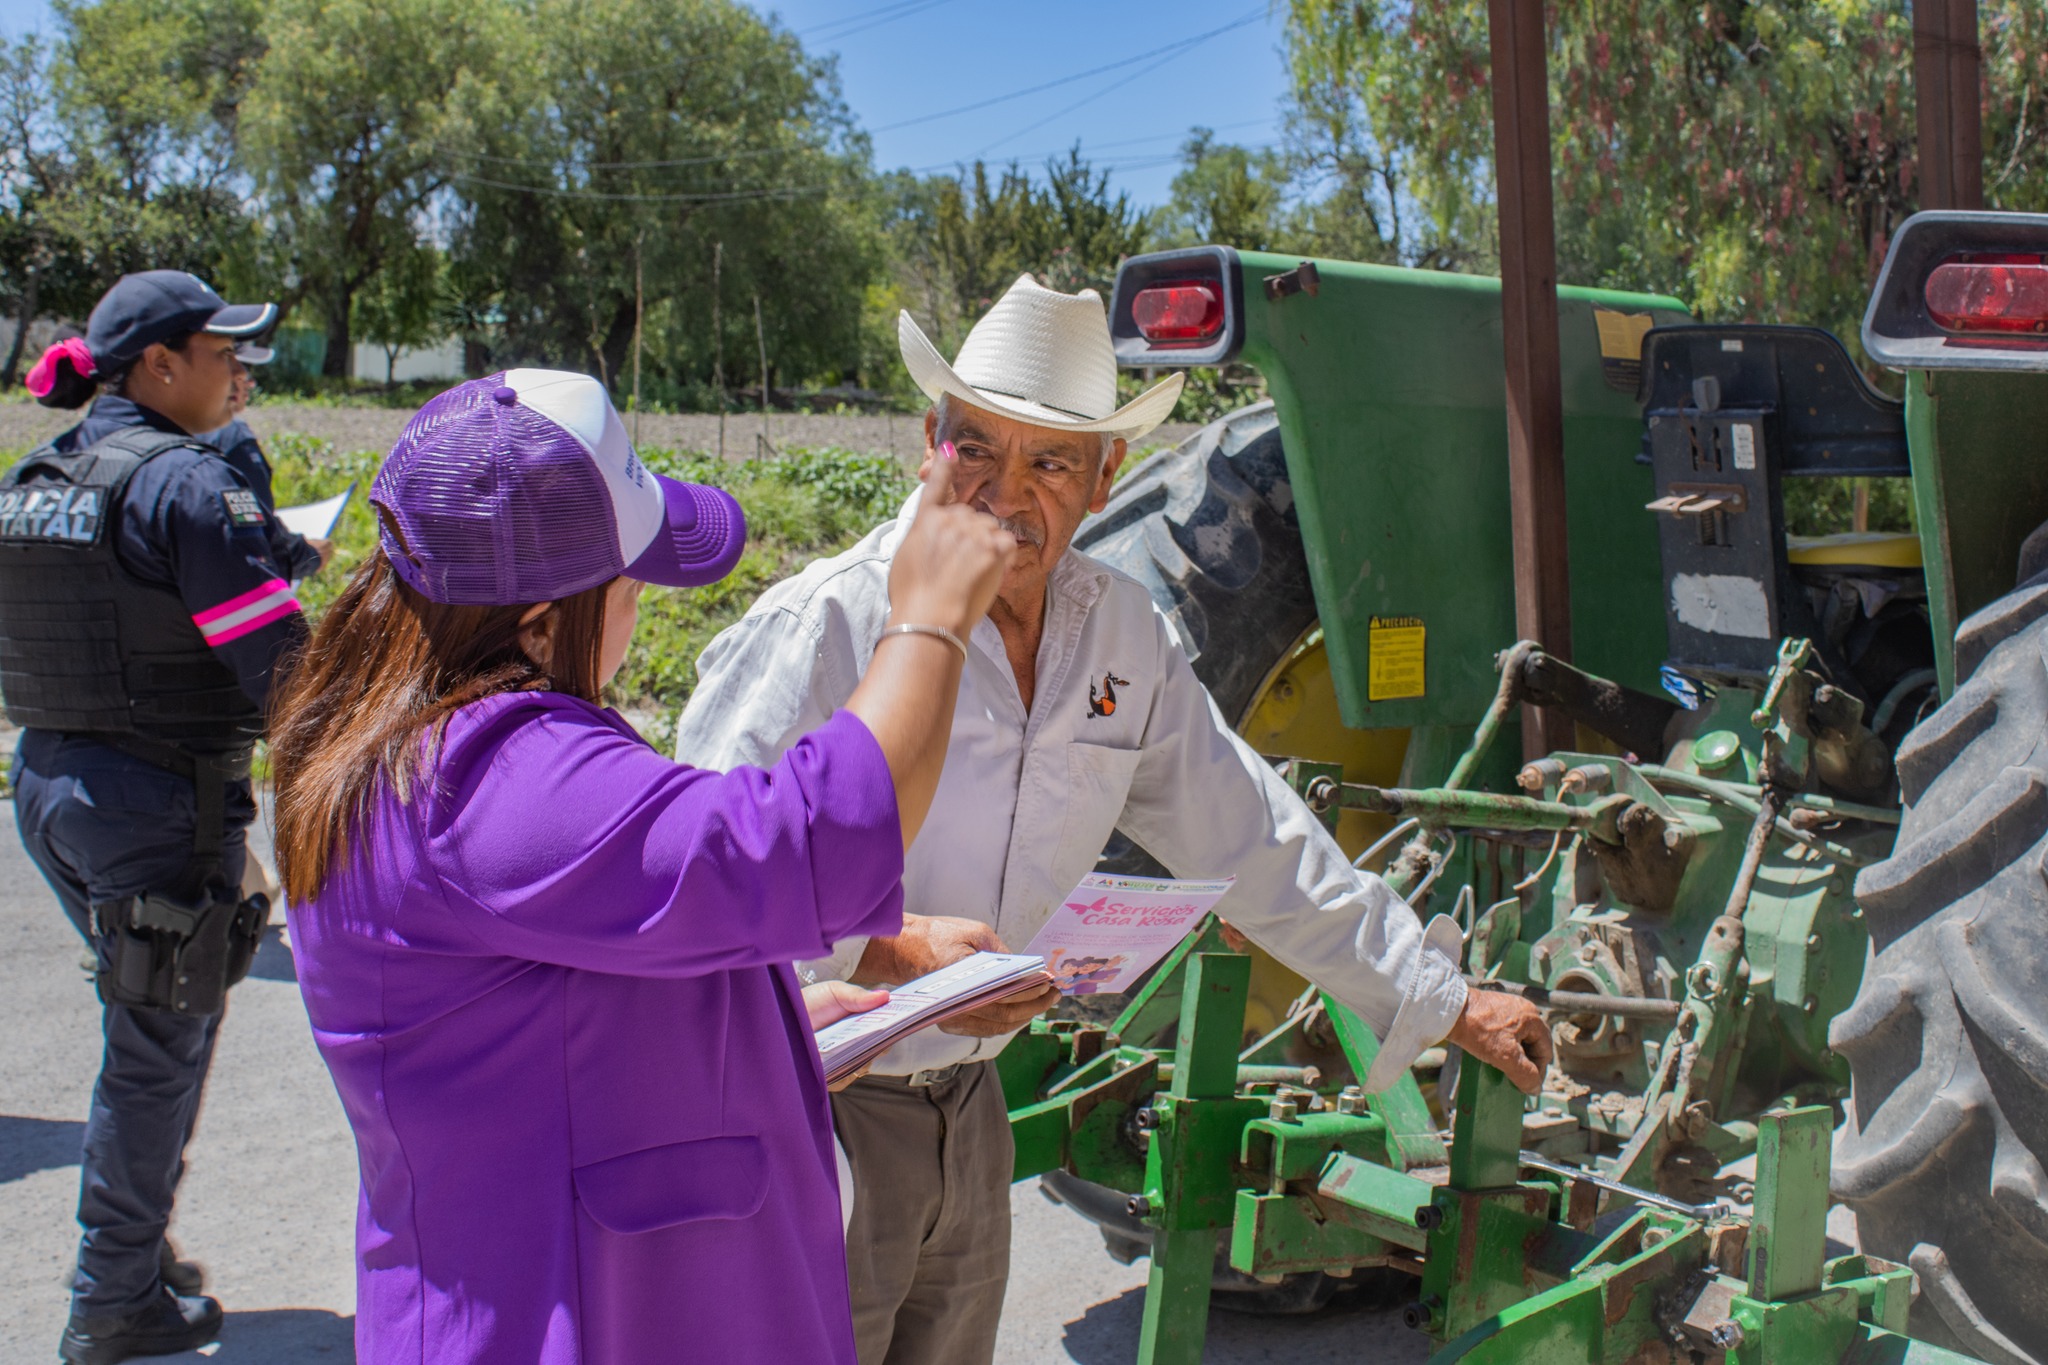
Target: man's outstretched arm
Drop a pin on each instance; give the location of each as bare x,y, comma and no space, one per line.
1206,805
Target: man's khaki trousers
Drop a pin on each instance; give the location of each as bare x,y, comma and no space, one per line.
928,1253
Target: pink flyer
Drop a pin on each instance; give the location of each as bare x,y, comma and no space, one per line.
1111,929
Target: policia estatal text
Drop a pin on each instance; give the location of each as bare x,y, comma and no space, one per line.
142,610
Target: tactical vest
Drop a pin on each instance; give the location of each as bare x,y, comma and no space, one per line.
85,646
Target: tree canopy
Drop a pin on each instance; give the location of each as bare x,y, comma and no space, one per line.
673,194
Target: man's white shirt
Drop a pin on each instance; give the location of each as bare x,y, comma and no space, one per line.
1121,735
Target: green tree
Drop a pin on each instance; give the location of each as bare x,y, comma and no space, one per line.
115,154
681,160
961,240
1752,157
404,305
1227,194
356,118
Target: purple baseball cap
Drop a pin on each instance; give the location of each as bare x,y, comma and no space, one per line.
522,487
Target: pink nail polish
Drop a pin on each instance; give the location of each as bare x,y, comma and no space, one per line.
946,449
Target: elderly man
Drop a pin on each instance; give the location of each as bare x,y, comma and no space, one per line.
1037,776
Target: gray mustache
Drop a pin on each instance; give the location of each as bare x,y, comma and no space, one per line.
1030,535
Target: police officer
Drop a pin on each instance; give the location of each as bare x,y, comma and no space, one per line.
303,556
142,612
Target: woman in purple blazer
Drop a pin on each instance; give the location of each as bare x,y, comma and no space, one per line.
546,966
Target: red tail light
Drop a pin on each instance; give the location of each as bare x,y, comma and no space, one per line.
1990,293
1179,312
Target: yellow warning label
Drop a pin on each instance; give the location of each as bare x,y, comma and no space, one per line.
1621,346
1394,653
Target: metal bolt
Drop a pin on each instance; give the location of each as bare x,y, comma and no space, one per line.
1429,1218
184,981
1281,1108
1138,1206
1811,1004
1338,1272
1351,1100
1270,1279
1423,1316
1146,1119
1726,1336
1321,794
1813,940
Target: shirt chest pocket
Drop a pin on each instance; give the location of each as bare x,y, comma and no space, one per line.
1098,784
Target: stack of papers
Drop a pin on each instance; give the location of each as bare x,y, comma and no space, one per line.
966,985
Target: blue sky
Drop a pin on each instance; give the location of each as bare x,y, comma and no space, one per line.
902,62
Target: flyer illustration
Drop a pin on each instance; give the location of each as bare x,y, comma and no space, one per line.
1110,929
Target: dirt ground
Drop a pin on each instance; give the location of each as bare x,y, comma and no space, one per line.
24,424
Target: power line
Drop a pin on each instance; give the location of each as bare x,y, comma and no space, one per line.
851,24
1174,48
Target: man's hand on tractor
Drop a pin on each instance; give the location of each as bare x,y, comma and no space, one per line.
929,942
1504,1031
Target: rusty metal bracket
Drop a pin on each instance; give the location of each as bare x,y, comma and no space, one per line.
1303,279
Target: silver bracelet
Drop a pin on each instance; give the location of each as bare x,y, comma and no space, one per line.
937,632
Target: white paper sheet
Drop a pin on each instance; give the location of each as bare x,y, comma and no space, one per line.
316,520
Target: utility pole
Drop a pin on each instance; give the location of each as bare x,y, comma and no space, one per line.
639,317
1528,299
718,344
761,340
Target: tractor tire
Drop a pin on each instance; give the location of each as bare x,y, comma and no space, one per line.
1947,1041
1209,528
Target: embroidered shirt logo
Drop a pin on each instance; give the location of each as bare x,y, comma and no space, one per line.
241,507
1103,703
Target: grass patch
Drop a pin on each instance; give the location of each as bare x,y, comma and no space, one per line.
801,506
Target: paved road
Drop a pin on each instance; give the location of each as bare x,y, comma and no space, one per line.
269,1199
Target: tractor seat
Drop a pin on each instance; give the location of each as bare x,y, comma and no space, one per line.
1856,549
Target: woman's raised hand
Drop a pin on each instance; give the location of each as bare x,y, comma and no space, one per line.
952,559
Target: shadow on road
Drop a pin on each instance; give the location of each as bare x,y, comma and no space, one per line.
274,957
1107,1334
277,1336
1360,1326
28,1145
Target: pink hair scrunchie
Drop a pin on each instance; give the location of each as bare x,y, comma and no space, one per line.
42,377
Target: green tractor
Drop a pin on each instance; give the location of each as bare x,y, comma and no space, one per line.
1780,894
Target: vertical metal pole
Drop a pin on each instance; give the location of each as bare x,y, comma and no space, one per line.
1528,298
1176,1319
1946,76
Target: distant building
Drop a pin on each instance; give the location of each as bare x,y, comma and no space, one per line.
442,360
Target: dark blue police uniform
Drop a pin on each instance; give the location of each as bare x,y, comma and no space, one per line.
103,824
244,453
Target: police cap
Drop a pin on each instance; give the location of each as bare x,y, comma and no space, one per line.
156,305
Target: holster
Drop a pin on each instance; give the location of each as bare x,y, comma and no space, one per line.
161,952
179,949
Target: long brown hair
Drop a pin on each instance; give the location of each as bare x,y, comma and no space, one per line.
385,666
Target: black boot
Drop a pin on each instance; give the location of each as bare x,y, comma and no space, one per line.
171,1324
184,1277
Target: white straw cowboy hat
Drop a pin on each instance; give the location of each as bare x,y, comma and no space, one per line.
1041,357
